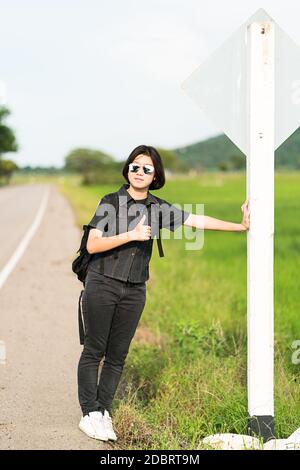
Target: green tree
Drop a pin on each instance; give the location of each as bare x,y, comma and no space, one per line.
7,167
223,166
8,141
171,161
237,162
297,162
93,165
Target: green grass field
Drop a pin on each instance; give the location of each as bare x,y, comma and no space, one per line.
185,374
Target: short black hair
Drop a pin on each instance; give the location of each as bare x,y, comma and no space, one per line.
160,179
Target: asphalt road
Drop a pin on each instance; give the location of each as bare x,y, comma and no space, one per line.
39,407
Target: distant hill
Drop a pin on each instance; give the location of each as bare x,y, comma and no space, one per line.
210,153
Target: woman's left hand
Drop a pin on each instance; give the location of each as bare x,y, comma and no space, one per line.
246,214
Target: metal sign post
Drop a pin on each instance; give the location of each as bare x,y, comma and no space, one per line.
250,88
260,245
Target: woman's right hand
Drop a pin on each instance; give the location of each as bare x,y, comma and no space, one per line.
246,214
141,232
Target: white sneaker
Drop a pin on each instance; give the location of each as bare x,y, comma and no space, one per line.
107,421
92,425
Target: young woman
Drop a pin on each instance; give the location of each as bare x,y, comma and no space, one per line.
115,287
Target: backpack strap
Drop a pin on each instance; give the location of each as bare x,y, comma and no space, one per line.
159,243
84,238
81,324
116,204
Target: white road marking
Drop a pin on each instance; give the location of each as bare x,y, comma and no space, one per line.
8,268
2,353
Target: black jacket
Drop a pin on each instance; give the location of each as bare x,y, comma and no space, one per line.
130,261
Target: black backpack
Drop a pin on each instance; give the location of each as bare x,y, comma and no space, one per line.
80,264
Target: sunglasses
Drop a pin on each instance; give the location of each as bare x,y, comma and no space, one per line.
134,168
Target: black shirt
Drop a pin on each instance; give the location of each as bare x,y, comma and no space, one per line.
131,272
130,261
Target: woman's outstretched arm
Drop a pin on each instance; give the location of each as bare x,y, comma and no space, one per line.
210,223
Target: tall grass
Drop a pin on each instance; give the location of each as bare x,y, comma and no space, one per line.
188,378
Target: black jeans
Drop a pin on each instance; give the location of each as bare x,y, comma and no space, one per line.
111,310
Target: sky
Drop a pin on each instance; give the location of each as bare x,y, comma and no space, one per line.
107,74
